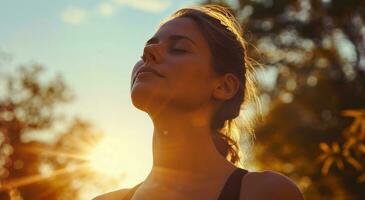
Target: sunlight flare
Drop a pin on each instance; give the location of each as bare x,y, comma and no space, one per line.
110,158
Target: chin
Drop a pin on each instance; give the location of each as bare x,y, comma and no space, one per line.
146,98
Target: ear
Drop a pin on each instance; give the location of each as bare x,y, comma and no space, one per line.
227,87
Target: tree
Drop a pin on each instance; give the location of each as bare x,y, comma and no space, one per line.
26,105
37,169
313,55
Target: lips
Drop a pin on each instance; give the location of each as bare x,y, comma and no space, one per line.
147,69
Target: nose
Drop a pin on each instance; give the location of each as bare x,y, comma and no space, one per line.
152,53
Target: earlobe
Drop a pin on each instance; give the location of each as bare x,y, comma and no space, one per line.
227,87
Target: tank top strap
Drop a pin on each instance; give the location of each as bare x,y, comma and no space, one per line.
232,188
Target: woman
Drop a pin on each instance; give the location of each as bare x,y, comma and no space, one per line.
192,79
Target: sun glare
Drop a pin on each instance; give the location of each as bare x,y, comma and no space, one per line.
116,162
110,157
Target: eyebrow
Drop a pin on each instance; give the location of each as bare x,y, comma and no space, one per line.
155,40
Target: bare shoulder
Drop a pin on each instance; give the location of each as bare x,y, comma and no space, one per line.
114,195
269,185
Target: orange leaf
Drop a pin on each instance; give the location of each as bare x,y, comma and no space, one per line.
335,147
350,142
326,166
356,124
354,163
324,147
352,113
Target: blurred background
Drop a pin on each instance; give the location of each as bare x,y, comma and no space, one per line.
68,129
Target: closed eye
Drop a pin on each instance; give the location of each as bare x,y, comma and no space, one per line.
178,50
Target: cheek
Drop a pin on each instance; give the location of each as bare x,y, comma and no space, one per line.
191,79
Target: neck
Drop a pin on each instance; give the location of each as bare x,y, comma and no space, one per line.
183,146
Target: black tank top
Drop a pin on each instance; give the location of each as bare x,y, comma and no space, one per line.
230,191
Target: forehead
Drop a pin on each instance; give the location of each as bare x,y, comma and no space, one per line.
181,26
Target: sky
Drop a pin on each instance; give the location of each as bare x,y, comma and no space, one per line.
94,46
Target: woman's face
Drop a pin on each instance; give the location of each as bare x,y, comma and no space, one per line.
180,56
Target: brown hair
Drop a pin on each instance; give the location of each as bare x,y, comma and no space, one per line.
228,49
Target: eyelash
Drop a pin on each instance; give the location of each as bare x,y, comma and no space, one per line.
178,50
